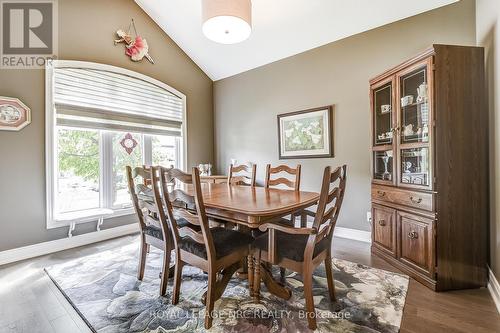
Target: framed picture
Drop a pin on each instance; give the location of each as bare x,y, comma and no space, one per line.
306,134
14,114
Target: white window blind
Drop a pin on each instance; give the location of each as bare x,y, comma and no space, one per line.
101,99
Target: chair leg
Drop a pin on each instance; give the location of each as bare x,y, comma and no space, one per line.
250,274
308,295
303,220
256,278
329,277
165,271
282,274
177,280
142,260
212,278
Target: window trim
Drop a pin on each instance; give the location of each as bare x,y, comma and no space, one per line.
50,129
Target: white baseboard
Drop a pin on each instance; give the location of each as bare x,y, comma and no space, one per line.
41,249
494,288
354,234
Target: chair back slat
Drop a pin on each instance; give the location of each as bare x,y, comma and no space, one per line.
294,184
194,235
181,176
242,175
150,206
280,181
177,195
183,213
284,168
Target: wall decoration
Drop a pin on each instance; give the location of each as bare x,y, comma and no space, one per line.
128,143
306,134
136,48
14,114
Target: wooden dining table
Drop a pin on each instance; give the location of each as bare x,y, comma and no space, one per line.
249,207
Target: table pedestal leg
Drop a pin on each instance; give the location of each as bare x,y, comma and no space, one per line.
272,285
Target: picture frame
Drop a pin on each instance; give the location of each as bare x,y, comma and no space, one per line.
14,114
306,133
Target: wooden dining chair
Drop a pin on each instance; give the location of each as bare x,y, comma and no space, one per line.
303,249
294,183
242,174
153,226
215,251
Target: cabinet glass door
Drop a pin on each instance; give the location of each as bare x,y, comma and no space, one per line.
414,99
382,115
415,166
383,163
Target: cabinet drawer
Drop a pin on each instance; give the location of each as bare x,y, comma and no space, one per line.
384,229
416,243
414,199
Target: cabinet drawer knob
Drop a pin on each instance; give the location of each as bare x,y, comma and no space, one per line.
416,200
381,193
381,222
412,235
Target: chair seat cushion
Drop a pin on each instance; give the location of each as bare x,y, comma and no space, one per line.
290,246
155,231
225,241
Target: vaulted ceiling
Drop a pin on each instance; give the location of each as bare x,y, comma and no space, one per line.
281,28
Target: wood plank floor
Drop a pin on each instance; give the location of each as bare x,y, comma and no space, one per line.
30,302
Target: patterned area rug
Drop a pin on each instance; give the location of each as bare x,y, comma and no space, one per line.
104,290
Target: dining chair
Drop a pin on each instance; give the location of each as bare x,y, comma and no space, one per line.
280,181
214,250
303,249
242,174
154,229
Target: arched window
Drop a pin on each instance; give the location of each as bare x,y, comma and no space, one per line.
100,118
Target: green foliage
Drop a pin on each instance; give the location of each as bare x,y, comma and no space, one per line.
79,153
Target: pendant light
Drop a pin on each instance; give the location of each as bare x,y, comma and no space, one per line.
227,21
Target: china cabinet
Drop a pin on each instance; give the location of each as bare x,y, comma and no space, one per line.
430,167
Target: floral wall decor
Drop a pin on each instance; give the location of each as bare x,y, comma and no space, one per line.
128,143
306,134
136,48
14,114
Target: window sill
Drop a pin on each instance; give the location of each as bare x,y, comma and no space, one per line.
86,216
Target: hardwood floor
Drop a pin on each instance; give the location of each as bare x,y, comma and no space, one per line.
30,302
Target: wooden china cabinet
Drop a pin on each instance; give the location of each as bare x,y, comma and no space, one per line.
430,167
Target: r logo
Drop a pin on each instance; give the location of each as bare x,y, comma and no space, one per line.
27,28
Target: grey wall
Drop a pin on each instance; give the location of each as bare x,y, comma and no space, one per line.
86,32
246,105
488,36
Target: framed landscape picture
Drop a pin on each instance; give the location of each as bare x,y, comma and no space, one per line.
306,134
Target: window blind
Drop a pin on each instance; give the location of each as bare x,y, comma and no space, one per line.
92,98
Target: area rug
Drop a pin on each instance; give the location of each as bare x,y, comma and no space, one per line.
104,290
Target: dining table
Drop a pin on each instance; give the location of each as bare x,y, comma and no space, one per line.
249,207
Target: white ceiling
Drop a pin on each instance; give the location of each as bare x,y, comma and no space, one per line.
281,28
